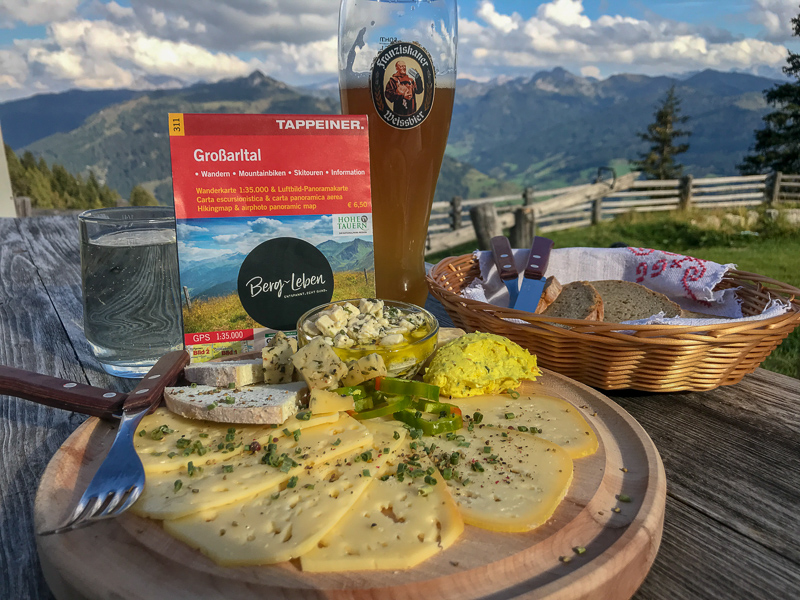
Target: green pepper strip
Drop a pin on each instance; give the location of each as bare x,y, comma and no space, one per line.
386,409
437,407
362,396
430,427
419,389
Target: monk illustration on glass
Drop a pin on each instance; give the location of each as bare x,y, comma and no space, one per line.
402,88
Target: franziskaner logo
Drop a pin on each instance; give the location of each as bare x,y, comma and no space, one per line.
403,84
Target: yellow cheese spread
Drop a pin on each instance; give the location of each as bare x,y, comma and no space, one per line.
480,363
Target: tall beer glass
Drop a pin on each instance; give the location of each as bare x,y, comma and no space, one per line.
397,64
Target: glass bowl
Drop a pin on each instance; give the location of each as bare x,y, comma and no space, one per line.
403,359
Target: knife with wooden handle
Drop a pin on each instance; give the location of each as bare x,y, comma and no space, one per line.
90,400
504,261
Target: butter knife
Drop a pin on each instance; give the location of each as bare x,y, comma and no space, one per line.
504,261
533,282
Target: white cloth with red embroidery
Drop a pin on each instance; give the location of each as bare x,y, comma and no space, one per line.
688,281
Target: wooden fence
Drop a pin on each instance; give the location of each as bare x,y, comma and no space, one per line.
460,221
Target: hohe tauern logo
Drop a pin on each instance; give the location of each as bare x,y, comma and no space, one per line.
403,84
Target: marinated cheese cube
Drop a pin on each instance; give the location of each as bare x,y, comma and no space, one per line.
371,307
342,340
328,326
351,310
277,359
363,369
319,365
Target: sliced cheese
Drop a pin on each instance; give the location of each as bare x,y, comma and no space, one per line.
223,374
394,525
514,486
323,401
244,476
560,422
255,404
158,439
286,523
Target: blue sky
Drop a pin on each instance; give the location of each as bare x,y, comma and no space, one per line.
53,45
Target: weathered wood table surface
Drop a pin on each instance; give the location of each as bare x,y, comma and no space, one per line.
732,455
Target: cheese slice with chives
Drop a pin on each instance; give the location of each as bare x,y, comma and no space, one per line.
165,441
398,523
560,422
504,480
189,490
287,522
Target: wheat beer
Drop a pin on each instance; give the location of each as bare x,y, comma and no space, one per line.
406,86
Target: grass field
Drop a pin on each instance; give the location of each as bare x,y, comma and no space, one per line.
774,252
225,313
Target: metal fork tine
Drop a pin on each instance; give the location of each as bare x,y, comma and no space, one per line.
83,505
95,504
132,497
103,498
113,502
86,506
120,479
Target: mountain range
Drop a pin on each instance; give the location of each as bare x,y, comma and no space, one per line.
218,277
551,129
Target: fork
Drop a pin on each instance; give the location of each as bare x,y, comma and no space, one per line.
120,479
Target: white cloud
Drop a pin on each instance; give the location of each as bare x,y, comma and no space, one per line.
100,45
35,12
184,229
232,26
775,16
13,70
102,55
313,58
560,34
590,71
564,12
189,253
504,23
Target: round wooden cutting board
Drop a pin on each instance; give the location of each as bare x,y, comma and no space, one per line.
130,557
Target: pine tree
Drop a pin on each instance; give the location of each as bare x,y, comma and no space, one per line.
19,185
58,188
141,197
659,161
777,146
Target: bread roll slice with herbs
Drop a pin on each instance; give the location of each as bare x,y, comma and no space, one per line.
628,301
577,300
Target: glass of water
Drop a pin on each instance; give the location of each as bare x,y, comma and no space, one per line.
131,289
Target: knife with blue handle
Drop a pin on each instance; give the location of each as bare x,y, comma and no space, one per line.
504,261
533,282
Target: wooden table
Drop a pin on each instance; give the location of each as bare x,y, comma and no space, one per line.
732,455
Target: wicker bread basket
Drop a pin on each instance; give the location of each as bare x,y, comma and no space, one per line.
654,358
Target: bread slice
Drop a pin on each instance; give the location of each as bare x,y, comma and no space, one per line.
223,374
628,301
577,300
552,288
256,404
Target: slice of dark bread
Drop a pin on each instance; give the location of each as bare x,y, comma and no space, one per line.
552,288
628,301
577,300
